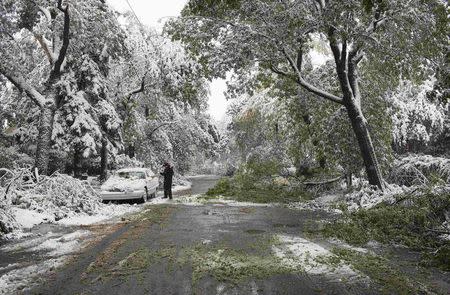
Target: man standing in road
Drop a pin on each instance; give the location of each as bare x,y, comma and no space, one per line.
168,174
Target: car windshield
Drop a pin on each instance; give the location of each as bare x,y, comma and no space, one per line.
131,174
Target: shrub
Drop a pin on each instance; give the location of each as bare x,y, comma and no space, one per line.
415,223
420,169
11,157
259,181
222,187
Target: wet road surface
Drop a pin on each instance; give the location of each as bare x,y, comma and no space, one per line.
156,254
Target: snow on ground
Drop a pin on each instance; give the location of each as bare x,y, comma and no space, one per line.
52,244
369,196
197,200
181,188
103,214
344,245
324,202
366,197
28,218
51,248
297,252
23,277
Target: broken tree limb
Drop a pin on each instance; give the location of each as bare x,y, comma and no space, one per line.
311,183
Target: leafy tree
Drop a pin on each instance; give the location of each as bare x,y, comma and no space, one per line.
378,40
161,99
45,45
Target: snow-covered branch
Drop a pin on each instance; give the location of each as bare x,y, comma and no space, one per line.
140,89
45,46
22,85
160,126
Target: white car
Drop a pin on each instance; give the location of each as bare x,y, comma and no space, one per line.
130,183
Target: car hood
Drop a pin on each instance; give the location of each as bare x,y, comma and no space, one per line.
121,184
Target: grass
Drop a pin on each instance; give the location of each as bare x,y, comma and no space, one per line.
234,266
248,189
389,278
410,225
144,257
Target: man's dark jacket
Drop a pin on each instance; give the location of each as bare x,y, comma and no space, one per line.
168,174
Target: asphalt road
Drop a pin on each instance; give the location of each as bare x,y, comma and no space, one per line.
162,251
201,184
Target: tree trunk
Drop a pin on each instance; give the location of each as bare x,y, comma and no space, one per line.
45,129
77,163
348,180
360,128
131,150
346,68
104,159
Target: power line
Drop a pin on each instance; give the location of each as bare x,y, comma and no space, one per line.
134,13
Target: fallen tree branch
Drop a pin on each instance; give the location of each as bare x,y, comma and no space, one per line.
443,232
406,196
11,183
323,182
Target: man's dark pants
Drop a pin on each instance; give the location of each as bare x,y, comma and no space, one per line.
168,192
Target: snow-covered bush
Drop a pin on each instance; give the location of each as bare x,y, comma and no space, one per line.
10,157
419,170
369,196
7,221
414,116
59,195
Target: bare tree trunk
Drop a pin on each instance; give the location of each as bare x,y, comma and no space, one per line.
104,158
45,129
131,150
360,128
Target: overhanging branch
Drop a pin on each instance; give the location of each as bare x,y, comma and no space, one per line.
140,89
66,39
22,85
308,86
160,126
45,47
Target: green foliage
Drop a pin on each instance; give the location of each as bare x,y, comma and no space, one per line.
440,258
222,188
209,7
390,279
229,265
410,225
258,181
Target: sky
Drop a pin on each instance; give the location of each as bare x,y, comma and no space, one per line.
154,15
